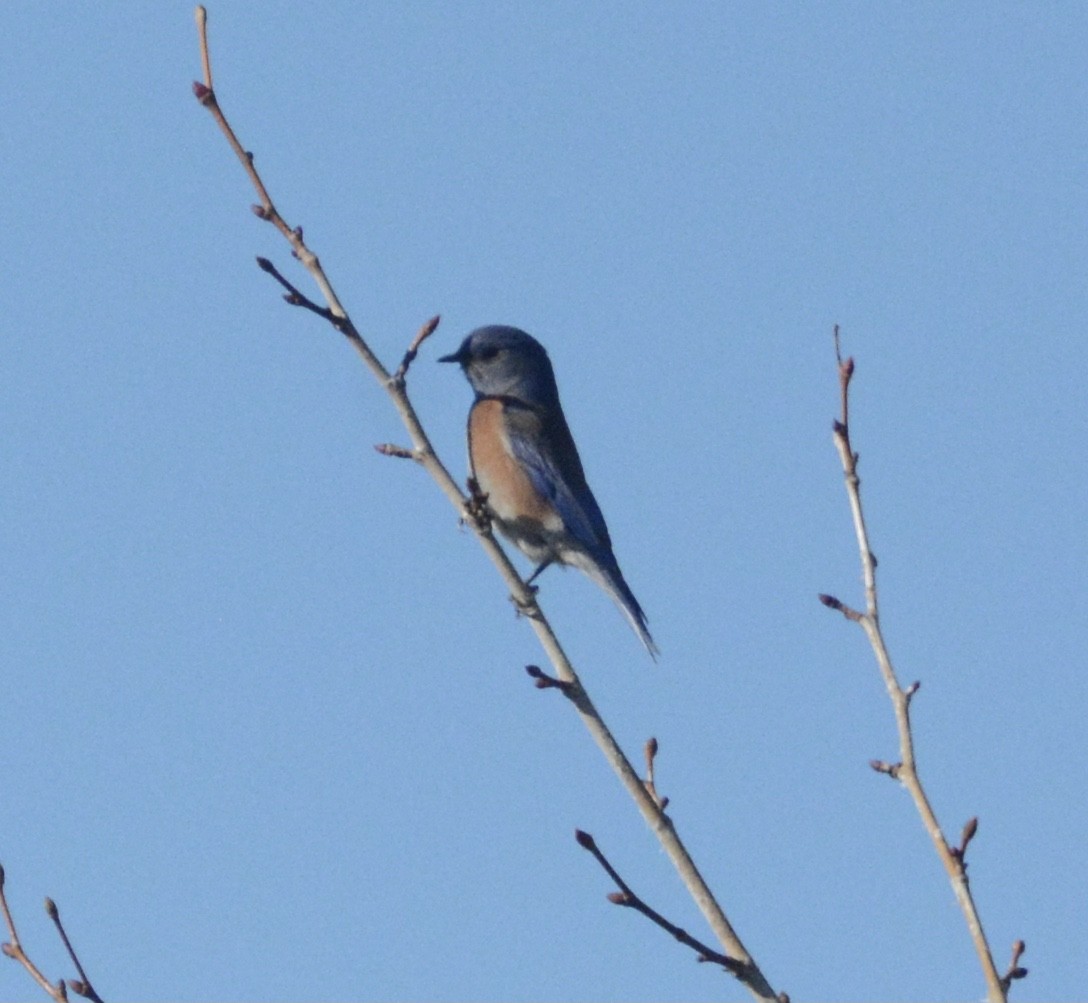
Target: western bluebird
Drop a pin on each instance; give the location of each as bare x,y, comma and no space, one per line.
523,457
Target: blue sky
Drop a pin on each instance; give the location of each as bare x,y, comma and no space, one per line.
265,729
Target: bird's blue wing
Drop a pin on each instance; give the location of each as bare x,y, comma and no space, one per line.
542,444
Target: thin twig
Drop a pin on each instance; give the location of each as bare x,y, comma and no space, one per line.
905,771
295,297
626,897
523,595
1015,970
401,452
413,349
13,948
82,986
832,603
545,682
650,751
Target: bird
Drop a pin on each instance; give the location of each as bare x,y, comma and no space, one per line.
523,457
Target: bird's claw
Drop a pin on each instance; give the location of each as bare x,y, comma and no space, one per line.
523,608
476,508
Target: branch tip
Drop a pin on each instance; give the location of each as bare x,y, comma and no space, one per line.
585,840
51,909
422,335
890,769
543,681
837,604
390,449
1015,970
619,898
651,789
968,834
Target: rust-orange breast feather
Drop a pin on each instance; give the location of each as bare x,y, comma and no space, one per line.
511,493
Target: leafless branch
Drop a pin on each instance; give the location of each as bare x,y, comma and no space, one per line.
413,349
1014,971
627,898
13,948
905,771
524,597
545,682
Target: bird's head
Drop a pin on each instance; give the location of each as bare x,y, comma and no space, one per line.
506,362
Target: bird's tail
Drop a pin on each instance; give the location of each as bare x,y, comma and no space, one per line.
607,574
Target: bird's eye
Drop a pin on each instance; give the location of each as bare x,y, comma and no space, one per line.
488,352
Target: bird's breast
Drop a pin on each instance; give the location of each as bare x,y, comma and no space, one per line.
510,490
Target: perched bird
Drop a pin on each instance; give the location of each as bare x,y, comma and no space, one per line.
524,459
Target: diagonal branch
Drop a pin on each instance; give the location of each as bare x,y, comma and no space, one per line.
13,948
906,771
82,985
627,898
524,597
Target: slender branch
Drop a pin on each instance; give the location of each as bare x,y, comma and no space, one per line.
905,771
13,948
545,682
1014,971
295,298
82,986
422,335
523,595
626,897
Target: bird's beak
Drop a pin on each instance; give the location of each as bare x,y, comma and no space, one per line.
457,357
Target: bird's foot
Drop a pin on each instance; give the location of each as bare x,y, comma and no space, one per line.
524,607
476,509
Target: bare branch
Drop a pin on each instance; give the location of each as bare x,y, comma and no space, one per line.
296,298
626,897
13,948
545,682
401,452
1014,971
475,514
891,769
413,349
906,771
832,603
82,986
